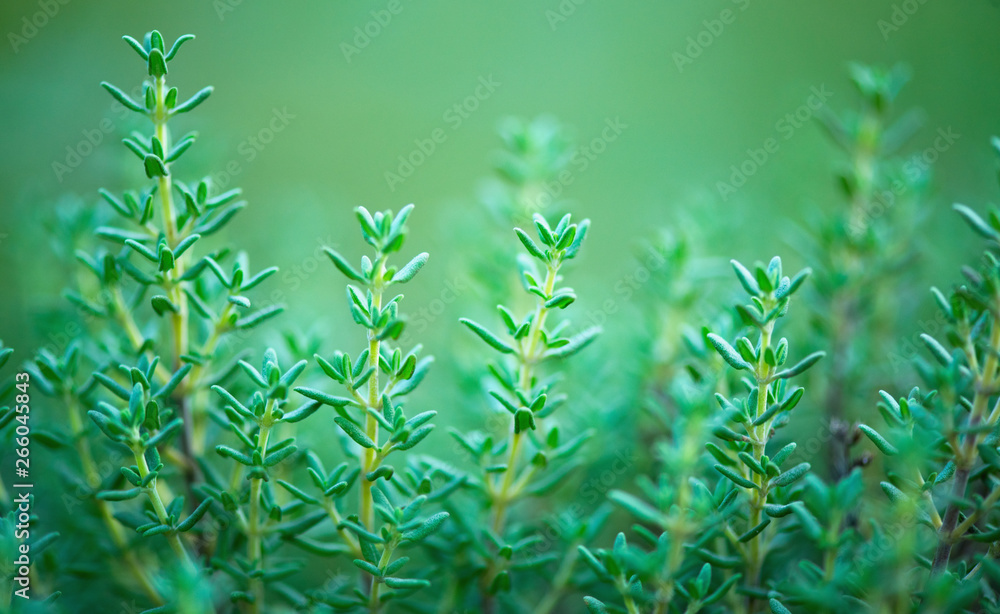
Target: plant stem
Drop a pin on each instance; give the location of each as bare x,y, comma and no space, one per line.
946,537
965,454
756,551
373,604
198,392
89,468
255,549
371,424
178,318
161,512
528,359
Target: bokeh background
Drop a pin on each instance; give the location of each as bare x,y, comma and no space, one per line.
582,61
692,94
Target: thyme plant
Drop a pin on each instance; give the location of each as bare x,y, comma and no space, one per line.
940,447
534,456
861,248
189,480
391,514
756,488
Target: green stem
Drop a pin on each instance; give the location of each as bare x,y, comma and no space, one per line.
161,511
255,548
756,550
370,459
200,395
114,529
528,359
965,454
373,604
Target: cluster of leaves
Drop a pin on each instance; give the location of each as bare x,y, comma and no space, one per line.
392,505
729,527
860,250
940,447
533,456
151,295
729,519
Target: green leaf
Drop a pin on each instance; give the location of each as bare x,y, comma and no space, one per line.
637,507
322,397
594,606
301,413
162,305
195,516
119,495
273,459
728,353
801,366
936,349
134,44
487,336
368,567
576,343
560,301
177,45
746,278
895,495
123,98
581,233
530,245
735,478
261,315
168,388
428,527
880,442
418,435
783,454
976,223
790,476
154,165
354,432
385,472
193,101
406,584
524,420
755,531
411,268
343,266
235,455
777,608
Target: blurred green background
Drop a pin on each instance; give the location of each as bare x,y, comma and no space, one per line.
584,61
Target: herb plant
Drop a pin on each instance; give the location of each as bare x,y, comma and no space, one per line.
203,465
532,457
